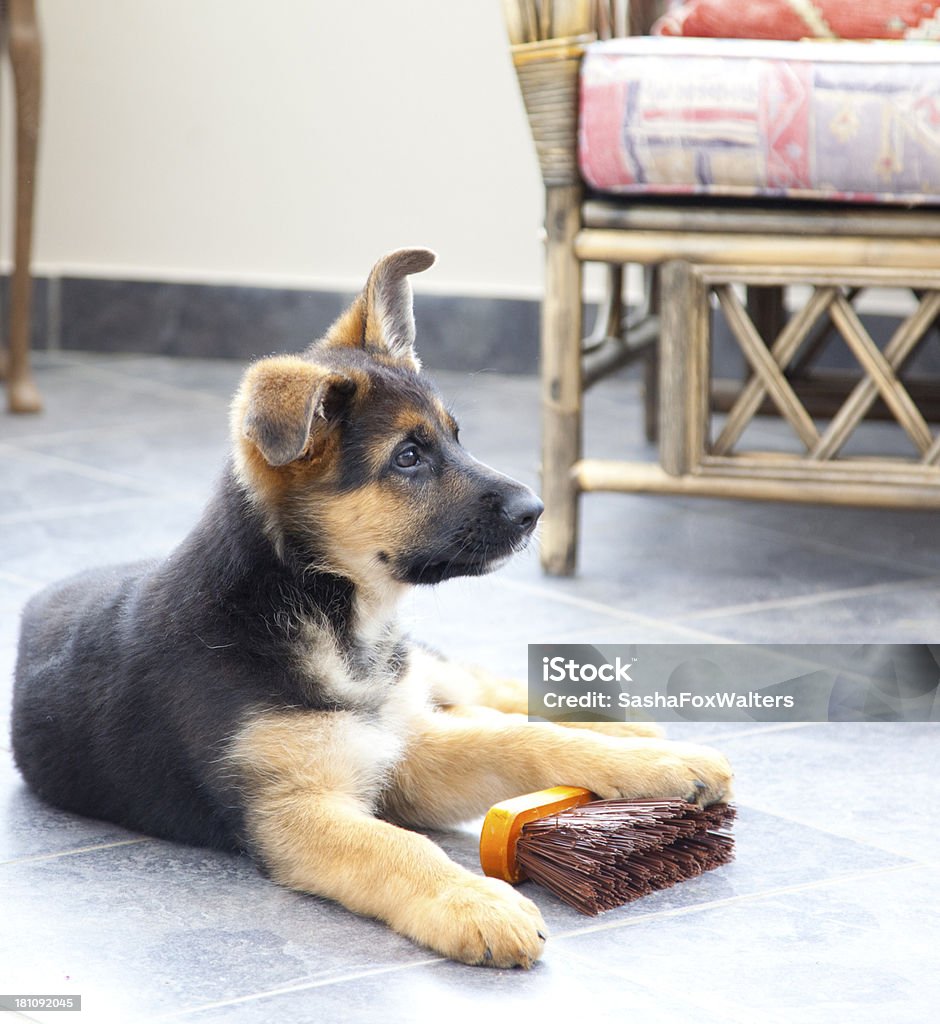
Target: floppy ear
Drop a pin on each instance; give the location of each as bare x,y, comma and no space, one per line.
286,402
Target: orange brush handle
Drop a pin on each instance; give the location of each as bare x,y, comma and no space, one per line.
503,824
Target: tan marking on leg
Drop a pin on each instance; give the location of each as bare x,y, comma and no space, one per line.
464,689
312,779
454,769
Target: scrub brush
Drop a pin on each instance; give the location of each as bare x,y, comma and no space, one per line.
599,854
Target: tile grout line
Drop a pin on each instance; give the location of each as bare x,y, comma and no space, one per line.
29,442
682,623
915,582
758,730
17,579
155,387
684,1001
828,546
20,1015
303,987
573,933
89,509
83,469
589,604
736,900
75,851
859,840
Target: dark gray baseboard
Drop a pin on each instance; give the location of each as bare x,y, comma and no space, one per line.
160,318
227,321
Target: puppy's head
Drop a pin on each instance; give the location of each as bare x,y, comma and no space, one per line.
353,459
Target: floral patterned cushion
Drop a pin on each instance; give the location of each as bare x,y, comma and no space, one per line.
846,121
798,19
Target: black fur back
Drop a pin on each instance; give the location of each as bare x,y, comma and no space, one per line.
131,681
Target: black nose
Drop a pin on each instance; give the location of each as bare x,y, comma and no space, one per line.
523,509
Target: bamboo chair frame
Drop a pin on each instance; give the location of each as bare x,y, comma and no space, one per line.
694,256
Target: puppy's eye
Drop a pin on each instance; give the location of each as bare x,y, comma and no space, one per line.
407,458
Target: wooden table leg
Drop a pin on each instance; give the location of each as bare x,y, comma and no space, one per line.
22,394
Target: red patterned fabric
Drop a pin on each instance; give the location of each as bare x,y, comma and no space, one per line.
799,19
849,121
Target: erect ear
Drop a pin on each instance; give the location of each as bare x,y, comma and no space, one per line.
285,402
389,303
382,317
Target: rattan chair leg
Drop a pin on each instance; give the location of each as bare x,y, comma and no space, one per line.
561,380
651,283
651,395
765,306
683,377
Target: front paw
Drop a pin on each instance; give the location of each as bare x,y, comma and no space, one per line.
660,770
484,922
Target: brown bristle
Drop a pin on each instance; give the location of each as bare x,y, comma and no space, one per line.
604,854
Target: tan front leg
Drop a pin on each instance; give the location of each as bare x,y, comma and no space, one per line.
454,769
309,776
463,689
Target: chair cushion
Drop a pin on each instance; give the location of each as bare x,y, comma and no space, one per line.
797,19
850,121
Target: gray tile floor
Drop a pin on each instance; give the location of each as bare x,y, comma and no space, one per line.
827,914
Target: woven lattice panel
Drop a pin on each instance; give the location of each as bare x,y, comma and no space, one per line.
780,368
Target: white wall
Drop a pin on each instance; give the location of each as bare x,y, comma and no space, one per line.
282,142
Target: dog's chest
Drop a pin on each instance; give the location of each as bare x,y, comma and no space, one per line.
357,670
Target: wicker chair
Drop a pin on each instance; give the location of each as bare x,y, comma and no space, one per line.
700,255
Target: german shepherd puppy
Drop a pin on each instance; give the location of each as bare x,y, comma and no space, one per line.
252,692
